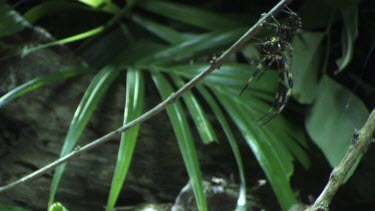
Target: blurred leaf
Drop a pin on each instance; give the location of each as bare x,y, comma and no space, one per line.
164,32
306,65
49,8
57,207
131,2
113,47
70,39
98,87
11,208
349,35
333,119
105,5
41,81
190,15
266,144
199,45
184,138
203,125
241,202
10,21
137,51
135,86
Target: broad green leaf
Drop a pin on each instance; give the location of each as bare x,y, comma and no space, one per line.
189,14
10,21
306,64
70,39
98,87
41,81
203,125
267,147
199,45
241,202
135,86
334,117
184,138
164,32
349,35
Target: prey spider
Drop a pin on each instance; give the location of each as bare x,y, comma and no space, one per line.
272,57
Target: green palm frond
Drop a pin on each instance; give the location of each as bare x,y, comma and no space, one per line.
172,43
184,139
133,108
89,102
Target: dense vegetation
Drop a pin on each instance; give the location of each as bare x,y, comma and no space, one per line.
161,45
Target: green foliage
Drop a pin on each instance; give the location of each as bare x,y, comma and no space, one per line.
98,87
342,111
10,208
184,138
42,81
57,207
133,108
11,22
172,43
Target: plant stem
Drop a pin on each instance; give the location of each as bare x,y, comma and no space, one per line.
215,64
360,143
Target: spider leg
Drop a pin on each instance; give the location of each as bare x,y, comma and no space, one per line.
289,11
278,101
283,94
283,98
272,61
259,69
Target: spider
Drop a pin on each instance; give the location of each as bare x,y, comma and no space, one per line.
273,57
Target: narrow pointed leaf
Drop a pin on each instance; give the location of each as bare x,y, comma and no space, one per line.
184,138
135,86
241,202
162,31
42,81
274,158
70,39
189,14
89,102
229,75
203,125
202,44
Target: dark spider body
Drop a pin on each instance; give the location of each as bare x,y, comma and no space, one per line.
272,57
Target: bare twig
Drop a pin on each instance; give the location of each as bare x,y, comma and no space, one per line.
360,143
215,64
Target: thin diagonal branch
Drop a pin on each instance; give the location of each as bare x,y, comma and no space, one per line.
360,143
215,64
